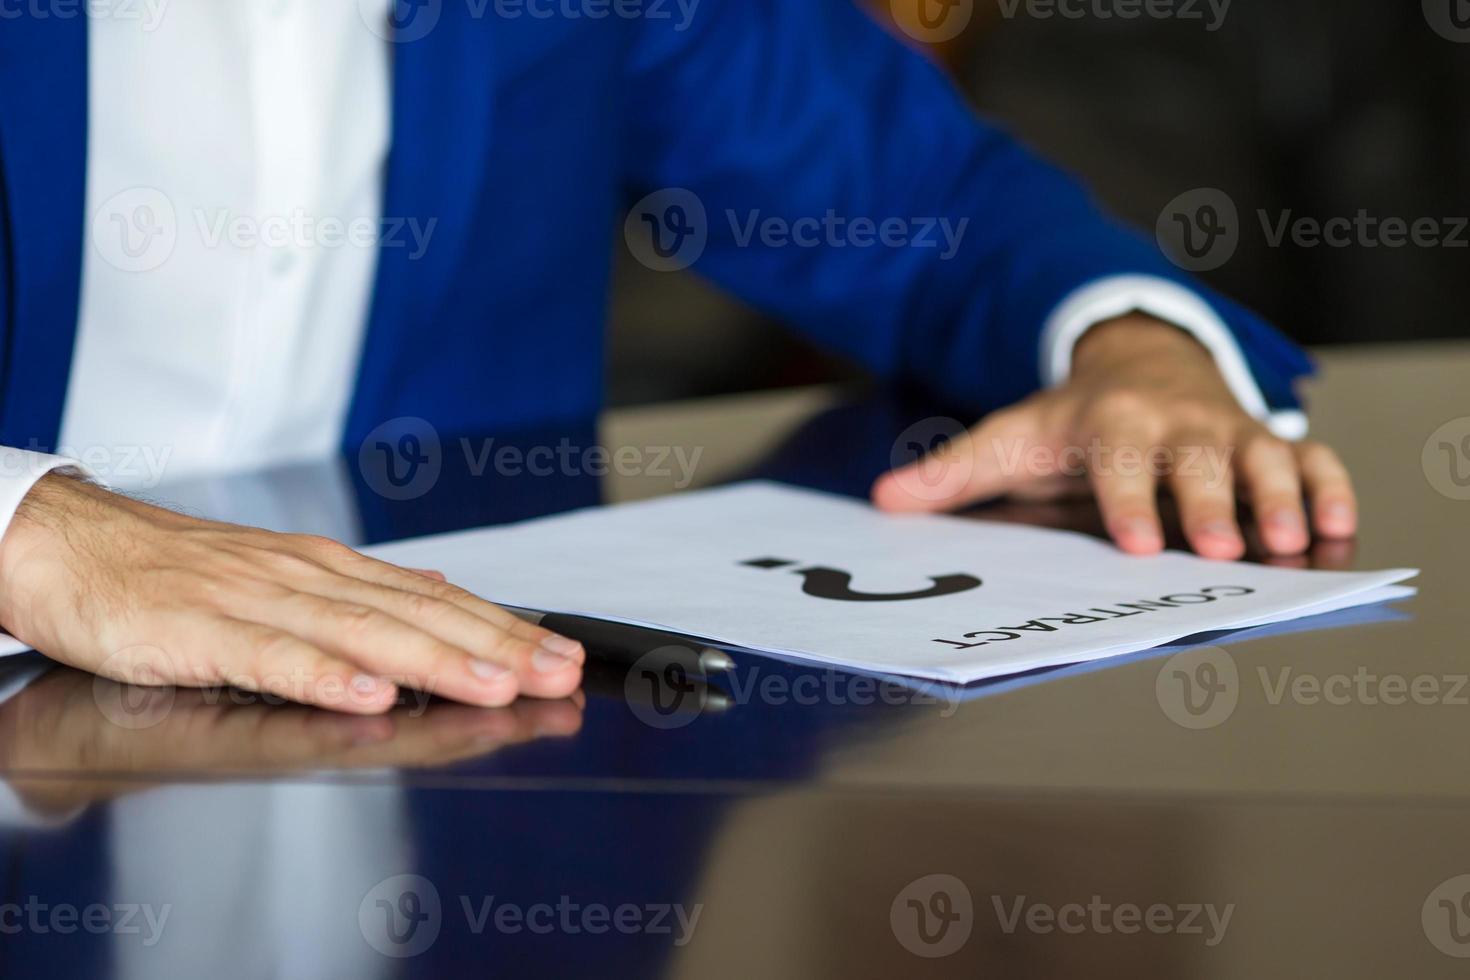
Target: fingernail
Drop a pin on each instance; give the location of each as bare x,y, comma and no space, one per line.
369,731
1139,527
487,671
548,661
1338,512
549,727
563,647
363,684
1219,529
1286,520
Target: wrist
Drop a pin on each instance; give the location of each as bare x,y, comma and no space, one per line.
43,509
1130,338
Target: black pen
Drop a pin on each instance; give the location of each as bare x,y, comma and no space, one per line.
665,694
624,644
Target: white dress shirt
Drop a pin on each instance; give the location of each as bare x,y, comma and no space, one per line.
234,180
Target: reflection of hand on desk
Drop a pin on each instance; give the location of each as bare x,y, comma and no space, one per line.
64,732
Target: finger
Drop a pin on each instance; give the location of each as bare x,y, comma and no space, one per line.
356,565
1053,488
390,648
268,660
446,734
540,659
544,673
1333,554
1268,471
557,719
975,465
284,739
1127,490
1202,486
1330,490
428,573
450,732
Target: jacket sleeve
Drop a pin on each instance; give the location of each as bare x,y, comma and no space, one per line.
834,178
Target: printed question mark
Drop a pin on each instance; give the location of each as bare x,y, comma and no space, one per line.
834,583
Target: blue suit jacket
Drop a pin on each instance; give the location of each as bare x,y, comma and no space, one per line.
526,138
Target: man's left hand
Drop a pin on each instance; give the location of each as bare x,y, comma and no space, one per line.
1145,406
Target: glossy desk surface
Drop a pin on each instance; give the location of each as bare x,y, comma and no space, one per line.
1313,822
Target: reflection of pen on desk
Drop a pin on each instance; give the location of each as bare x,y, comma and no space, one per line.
620,643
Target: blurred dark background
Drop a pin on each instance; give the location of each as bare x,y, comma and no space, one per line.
1313,109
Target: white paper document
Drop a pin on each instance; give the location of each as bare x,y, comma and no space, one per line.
828,579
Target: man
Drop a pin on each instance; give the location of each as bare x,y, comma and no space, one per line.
149,301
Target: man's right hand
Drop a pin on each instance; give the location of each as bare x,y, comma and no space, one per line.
148,596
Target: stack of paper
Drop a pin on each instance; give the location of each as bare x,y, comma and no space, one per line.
815,577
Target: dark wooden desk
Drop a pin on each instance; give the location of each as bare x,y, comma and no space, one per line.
1326,811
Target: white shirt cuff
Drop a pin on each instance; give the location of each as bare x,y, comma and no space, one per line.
1116,296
